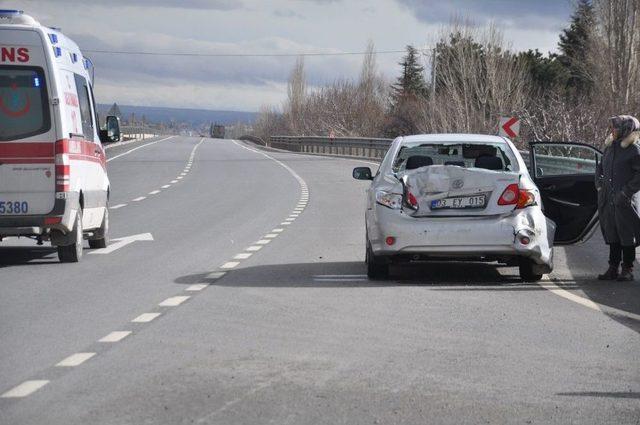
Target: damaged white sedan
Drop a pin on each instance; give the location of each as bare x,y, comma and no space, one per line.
469,197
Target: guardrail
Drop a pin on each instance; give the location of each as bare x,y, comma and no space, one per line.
137,132
375,148
345,146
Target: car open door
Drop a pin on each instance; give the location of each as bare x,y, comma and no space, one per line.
565,174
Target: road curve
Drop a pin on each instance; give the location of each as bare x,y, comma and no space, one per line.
250,305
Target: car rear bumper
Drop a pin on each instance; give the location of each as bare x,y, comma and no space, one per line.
449,237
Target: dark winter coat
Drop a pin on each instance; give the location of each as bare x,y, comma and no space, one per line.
618,183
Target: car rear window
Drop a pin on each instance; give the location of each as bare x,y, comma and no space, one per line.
24,106
494,156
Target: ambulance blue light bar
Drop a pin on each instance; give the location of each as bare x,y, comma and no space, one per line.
74,57
53,38
57,51
10,13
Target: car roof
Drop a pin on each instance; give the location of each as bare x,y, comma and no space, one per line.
453,137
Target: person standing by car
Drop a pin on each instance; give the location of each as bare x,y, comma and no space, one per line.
618,183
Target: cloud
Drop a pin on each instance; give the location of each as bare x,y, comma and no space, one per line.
182,4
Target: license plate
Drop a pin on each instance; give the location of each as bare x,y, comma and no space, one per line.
460,202
14,207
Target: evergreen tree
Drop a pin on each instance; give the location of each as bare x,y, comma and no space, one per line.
411,83
574,47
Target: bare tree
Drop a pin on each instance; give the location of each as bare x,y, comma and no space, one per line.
296,90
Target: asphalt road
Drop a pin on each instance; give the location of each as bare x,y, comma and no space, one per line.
281,325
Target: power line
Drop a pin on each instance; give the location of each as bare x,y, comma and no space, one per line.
232,55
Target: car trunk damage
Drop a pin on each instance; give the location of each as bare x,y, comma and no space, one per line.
449,190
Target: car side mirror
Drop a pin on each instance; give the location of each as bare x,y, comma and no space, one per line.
362,173
112,131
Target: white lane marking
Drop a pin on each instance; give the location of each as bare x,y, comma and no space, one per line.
145,317
285,223
271,235
294,215
115,336
75,359
174,181
166,186
216,275
242,256
183,174
322,276
277,230
587,303
254,248
25,389
289,219
136,148
154,192
138,199
339,280
197,287
122,242
115,207
179,178
263,242
174,301
229,265
298,209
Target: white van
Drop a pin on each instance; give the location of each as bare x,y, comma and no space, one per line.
53,178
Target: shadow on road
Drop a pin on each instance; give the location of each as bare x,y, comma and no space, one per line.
630,394
585,262
452,276
22,256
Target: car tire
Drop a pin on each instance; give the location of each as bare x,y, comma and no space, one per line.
377,267
73,253
100,238
526,271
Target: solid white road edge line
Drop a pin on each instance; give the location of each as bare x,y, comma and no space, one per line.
549,285
139,147
25,389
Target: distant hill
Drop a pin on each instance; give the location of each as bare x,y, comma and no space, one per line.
194,117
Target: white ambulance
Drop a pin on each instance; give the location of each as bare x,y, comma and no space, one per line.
53,178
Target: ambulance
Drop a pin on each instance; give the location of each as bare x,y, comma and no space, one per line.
53,178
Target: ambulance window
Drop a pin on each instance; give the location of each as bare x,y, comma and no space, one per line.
24,103
86,115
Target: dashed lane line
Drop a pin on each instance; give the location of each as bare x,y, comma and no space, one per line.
116,207
229,265
154,192
263,242
75,359
25,389
254,248
166,186
270,235
174,301
196,287
242,256
146,317
115,336
138,199
277,230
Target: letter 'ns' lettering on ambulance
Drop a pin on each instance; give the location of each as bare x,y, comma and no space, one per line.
13,54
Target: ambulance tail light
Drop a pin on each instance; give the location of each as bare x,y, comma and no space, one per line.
63,166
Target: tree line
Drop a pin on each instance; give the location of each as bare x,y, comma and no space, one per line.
474,79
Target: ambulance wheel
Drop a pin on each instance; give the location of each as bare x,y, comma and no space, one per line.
377,267
73,253
100,238
526,271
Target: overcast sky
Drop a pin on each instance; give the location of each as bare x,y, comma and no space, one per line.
266,27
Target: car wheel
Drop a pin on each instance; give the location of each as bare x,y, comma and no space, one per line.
100,238
377,267
526,271
73,253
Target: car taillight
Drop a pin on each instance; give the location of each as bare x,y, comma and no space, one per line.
412,200
63,166
510,195
514,195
